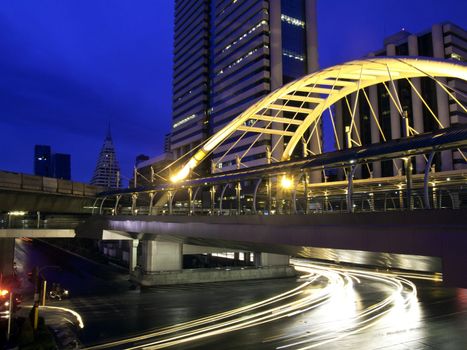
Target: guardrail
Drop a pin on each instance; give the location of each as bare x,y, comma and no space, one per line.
20,220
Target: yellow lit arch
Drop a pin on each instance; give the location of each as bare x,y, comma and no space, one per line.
309,96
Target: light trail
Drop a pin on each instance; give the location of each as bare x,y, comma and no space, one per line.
78,317
321,288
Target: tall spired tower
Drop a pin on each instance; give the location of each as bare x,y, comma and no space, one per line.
107,172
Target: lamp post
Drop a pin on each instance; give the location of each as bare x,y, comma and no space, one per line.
37,289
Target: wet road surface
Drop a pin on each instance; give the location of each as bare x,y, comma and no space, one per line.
436,317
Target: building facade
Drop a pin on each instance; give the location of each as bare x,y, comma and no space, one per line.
107,171
228,55
43,160
49,164
442,41
62,166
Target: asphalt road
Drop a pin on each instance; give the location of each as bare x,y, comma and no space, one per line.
351,314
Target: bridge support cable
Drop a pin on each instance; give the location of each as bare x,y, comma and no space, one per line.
373,114
102,204
321,113
94,205
352,128
355,76
426,179
117,201
255,194
435,117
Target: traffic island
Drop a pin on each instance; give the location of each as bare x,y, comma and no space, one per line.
188,276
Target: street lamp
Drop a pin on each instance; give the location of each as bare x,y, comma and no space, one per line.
286,182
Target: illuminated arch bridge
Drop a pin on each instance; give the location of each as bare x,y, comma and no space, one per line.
291,114
286,122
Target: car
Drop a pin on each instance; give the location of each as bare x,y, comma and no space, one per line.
58,293
5,302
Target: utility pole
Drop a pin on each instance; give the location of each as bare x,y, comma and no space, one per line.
36,298
10,314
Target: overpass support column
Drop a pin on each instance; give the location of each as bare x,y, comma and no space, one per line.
162,256
170,200
269,259
134,198
7,255
151,198
269,190
133,256
238,192
408,181
350,175
426,179
190,201
212,191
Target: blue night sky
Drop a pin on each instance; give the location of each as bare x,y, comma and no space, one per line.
68,68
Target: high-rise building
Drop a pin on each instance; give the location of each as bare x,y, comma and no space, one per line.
43,160
442,41
49,164
61,166
230,54
107,172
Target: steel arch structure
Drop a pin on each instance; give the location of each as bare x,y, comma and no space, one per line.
306,99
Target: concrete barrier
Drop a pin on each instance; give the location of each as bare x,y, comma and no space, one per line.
64,186
31,182
49,184
211,275
10,180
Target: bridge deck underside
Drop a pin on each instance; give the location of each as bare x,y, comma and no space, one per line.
441,234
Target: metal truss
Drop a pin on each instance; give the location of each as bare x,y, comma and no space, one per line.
294,110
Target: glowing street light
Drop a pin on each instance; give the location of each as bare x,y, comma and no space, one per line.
286,182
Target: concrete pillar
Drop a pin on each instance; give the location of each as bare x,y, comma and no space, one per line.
356,131
311,36
417,104
338,120
269,259
312,66
442,99
375,133
161,256
275,52
133,254
395,116
7,256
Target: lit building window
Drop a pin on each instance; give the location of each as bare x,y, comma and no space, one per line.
184,120
456,57
293,21
241,59
293,55
263,22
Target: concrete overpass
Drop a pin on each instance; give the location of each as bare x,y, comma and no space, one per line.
23,192
364,238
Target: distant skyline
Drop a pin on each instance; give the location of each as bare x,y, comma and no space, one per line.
69,68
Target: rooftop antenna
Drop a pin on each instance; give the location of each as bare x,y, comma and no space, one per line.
109,135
